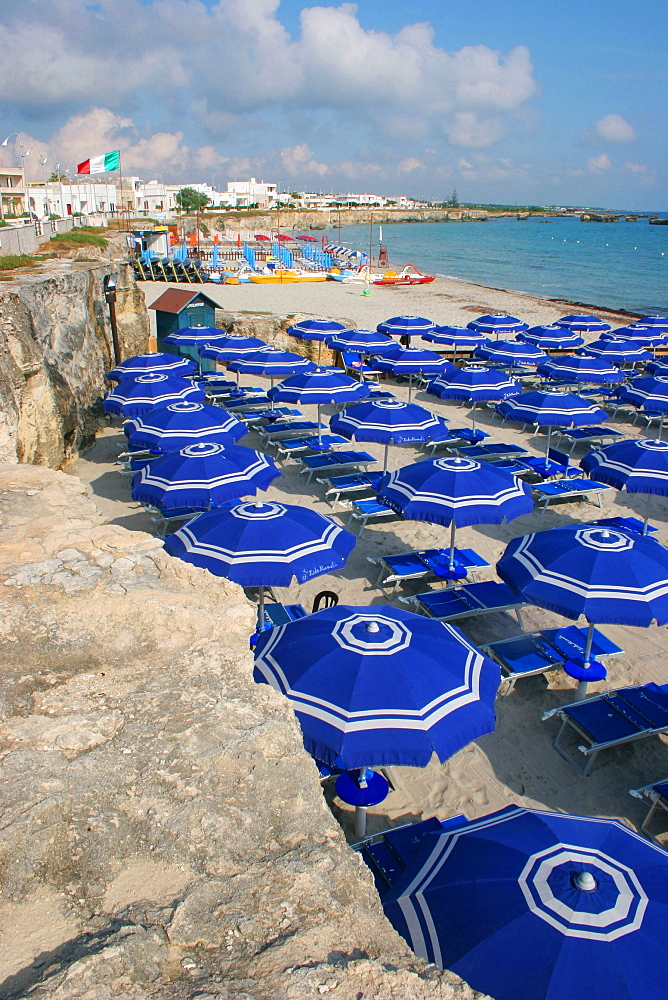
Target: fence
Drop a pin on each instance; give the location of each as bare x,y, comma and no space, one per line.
25,239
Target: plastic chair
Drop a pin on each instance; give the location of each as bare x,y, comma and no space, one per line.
325,599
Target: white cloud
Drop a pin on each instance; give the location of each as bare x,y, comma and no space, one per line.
596,164
636,168
613,128
467,128
410,164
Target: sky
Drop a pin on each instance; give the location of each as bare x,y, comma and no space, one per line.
514,102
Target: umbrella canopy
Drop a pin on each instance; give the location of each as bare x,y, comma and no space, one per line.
539,905
616,350
644,336
362,342
650,392
551,408
168,428
413,361
402,326
455,337
380,685
137,396
167,364
610,577
319,385
631,465
657,367
551,337
196,336
263,544
315,329
510,352
233,348
475,383
583,323
456,491
272,364
497,323
203,475
572,368
653,322
388,421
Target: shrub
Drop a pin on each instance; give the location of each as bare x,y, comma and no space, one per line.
11,261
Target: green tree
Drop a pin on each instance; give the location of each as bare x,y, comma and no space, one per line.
190,200
57,176
454,200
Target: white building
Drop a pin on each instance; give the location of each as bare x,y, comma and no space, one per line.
252,192
82,196
12,191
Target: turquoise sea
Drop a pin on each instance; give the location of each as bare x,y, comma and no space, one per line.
619,265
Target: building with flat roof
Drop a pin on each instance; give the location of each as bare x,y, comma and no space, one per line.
253,192
12,191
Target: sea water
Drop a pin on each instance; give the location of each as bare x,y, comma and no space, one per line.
618,265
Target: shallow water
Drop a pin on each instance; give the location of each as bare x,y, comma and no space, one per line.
621,265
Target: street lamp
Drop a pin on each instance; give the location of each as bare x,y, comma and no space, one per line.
43,160
109,286
23,165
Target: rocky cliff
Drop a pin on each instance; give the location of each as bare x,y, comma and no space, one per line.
55,346
163,832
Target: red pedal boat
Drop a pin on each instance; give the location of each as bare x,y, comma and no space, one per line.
408,276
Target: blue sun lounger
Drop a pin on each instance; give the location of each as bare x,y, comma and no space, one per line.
568,489
284,430
301,445
590,435
339,460
388,853
354,482
610,720
464,434
467,602
267,418
626,524
488,452
362,511
656,795
534,653
425,564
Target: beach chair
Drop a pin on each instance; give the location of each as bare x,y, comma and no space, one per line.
534,653
164,518
294,447
356,368
249,401
610,720
351,461
283,430
262,418
568,489
468,601
355,482
489,452
426,564
633,524
656,795
363,511
589,435
388,853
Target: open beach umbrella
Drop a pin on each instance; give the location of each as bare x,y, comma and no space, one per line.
659,367
510,353
617,351
652,322
263,545
388,421
497,323
196,336
474,383
168,428
455,491
583,323
455,337
413,361
380,685
140,364
271,364
362,342
572,368
538,905
136,396
552,337
650,393
318,386
631,465
551,408
644,336
319,329
233,348
203,475
611,577
406,326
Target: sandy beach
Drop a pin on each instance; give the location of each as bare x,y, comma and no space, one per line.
515,764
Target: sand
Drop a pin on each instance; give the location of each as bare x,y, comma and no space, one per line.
515,764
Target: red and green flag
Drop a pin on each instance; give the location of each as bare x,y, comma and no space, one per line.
100,164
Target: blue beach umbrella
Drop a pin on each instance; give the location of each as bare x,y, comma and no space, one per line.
610,577
644,336
572,368
552,337
657,367
388,421
168,428
538,905
362,342
134,397
380,685
455,491
319,329
650,392
551,408
617,351
631,465
413,361
271,364
233,348
511,353
497,323
652,322
203,475
263,545
406,326
455,337
196,336
583,323
474,383
167,364
318,386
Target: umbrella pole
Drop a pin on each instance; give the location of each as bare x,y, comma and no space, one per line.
473,417
547,447
586,660
319,427
660,427
646,521
452,543
387,448
360,811
319,351
410,387
260,609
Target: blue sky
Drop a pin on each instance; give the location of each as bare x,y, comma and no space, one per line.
513,103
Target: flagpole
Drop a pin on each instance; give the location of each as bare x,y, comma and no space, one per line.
120,177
